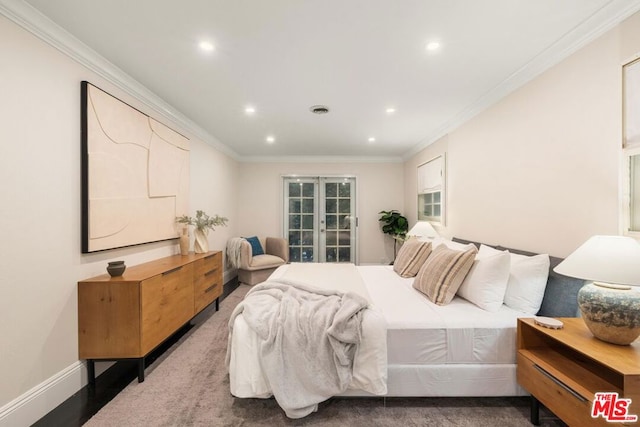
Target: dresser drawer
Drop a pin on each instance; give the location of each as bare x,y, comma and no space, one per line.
207,295
108,320
167,304
207,281
207,264
559,398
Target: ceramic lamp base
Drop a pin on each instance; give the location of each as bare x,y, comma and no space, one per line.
612,313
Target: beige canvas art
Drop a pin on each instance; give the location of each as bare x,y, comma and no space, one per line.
136,174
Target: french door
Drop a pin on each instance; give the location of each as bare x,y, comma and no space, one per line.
320,218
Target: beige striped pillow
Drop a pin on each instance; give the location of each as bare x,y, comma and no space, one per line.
411,256
443,273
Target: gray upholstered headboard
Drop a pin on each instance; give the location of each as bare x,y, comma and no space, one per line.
561,294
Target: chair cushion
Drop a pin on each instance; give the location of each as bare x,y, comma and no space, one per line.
265,261
256,246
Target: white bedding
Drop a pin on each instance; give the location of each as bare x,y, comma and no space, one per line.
420,332
370,363
453,350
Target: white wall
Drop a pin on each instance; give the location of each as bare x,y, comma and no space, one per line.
40,259
540,170
379,187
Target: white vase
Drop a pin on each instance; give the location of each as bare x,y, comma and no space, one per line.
201,244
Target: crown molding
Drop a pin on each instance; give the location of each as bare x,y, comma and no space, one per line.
32,20
603,20
320,159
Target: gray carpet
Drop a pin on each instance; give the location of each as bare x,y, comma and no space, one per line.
189,386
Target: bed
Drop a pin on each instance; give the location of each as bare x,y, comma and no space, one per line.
455,349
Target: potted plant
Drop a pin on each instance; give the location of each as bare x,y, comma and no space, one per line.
202,223
394,224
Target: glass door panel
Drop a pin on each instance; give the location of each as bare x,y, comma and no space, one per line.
300,214
320,219
338,199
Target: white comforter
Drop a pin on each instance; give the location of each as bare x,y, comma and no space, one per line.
246,373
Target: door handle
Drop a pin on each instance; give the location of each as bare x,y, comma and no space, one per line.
322,230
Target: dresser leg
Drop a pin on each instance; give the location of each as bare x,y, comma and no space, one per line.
91,372
535,411
141,369
218,304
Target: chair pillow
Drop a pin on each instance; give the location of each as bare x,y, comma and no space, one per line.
443,272
486,283
411,256
256,246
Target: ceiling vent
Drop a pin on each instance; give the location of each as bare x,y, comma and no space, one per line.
319,109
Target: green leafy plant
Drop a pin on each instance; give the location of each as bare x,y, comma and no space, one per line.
202,221
394,224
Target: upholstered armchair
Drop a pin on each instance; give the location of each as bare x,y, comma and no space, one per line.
254,269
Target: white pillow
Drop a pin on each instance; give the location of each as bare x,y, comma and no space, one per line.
454,245
486,283
527,282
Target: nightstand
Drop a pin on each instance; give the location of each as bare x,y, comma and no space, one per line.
564,368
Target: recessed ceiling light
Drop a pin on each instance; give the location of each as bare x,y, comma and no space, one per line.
206,46
433,46
270,139
372,139
319,109
250,110
390,110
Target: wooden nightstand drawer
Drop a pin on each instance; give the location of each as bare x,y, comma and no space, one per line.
565,368
560,398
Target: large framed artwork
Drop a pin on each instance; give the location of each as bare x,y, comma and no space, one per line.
135,174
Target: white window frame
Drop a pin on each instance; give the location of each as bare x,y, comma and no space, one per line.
431,178
627,187
631,141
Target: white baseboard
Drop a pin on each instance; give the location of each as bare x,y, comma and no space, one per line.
46,396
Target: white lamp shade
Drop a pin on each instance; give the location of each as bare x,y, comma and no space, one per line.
423,229
609,259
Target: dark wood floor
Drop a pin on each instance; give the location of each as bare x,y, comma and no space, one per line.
77,409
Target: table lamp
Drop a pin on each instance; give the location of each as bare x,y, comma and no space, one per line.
422,229
610,306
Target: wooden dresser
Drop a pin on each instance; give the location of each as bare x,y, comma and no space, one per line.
127,317
565,368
